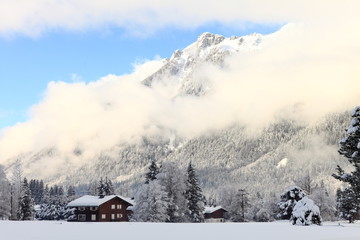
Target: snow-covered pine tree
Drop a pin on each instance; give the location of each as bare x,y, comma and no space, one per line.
346,204
194,196
289,198
92,188
37,190
350,148
239,206
71,193
101,188
153,171
5,191
26,206
305,213
108,187
173,181
54,205
151,203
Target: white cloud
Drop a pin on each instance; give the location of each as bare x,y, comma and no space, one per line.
144,17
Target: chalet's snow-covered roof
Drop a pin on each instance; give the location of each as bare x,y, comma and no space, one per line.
95,201
212,209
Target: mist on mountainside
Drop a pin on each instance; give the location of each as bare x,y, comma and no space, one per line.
235,107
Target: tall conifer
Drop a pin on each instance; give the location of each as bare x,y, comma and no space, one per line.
350,148
194,196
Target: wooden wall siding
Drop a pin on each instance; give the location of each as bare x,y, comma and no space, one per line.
87,212
105,208
217,214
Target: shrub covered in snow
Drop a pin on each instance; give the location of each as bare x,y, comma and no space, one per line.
289,198
305,212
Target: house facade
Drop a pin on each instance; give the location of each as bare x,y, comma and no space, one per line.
214,214
113,208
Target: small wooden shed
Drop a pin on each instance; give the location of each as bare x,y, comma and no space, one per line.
214,214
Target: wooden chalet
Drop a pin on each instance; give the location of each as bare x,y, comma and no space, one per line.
113,208
214,214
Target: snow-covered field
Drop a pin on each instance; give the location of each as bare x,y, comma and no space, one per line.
46,230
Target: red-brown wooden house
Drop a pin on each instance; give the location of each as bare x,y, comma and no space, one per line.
111,208
214,214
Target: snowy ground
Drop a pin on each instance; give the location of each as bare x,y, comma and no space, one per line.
43,230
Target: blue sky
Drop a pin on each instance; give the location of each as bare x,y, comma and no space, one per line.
29,63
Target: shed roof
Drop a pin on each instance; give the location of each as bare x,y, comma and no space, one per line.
213,209
95,201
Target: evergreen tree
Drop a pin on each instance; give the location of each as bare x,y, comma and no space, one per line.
5,192
350,148
194,196
37,190
289,198
25,203
101,188
71,193
239,206
346,204
46,197
54,204
153,171
108,187
92,188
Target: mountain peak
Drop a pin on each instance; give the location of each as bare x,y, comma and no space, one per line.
208,39
207,49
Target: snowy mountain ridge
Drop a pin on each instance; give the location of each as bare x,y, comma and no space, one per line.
209,48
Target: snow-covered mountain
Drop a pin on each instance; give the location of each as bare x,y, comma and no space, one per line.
208,48
268,161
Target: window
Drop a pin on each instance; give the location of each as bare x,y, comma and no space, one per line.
93,217
82,217
103,216
81,208
119,206
93,208
112,216
119,215
113,206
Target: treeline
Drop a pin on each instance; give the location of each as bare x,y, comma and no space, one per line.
21,199
169,194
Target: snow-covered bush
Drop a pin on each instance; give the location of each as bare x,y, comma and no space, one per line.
305,212
289,198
